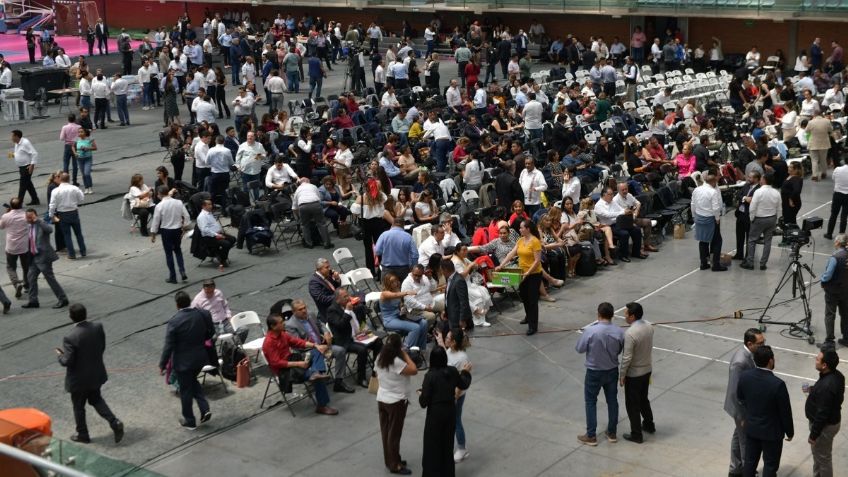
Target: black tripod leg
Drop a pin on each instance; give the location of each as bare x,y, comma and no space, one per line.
783,281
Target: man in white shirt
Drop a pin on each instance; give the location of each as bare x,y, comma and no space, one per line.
212,235
389,100
242,106
533,117
839,202
533,184
249,159
276,87
25,157
453,95
119,89
625,200
380,78
608,212
307,205
5,76
280,176
144,79
436,129
765,205
429,38
169,218
424,303
201,149
100,91
431,245
707,209
64,208
203,109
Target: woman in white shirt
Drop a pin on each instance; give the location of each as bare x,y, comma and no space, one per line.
472,175
455,345
802,64
393,368
478,295
426,210
403,206
370,207
140,201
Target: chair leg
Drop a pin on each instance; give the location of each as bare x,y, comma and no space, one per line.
221,377
265,396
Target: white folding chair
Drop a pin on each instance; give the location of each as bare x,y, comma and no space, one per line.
343,255
420,234
289,399
361,275
247,319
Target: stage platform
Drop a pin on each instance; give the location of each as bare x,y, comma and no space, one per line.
13,47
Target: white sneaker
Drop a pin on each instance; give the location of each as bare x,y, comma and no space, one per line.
89,191
145,108
484,324
460,455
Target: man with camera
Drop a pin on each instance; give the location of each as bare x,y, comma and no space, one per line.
834,281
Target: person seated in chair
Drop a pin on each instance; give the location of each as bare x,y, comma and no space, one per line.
277,350
390,310
212,234
345,325
608,212
307,328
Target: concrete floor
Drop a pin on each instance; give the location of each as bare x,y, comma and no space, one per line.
524,409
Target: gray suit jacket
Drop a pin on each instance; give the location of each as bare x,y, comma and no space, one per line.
741,361
46,254
295,327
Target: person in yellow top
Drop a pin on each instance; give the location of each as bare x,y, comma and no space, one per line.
416,130
529,252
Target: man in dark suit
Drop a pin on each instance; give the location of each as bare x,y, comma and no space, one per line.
768,414
743,219
102,34
41,261
457,306
322,285
82,355
507,187
344,325
185,346
305,327
742,360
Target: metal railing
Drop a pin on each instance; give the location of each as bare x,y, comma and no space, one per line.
40,462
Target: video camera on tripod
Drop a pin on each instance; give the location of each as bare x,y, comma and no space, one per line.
797,237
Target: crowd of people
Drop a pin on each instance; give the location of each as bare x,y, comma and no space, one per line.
448,190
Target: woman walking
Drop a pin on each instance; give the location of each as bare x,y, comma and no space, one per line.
171,111
394,367
529,252
82,150
455,345
438,396
220,93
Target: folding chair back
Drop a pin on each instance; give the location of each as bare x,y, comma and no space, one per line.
343,255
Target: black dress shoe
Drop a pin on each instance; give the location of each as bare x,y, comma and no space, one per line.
531,332
342,387
30,305
363,383
6,307
747,266
625,259
632,438
649,428
329,246
401,471
171,280
118,429
641,256
184,277
828,236
81,439
842,341
61,304
738,257
720,268
705,266
18,289
35,202
523,322
763,267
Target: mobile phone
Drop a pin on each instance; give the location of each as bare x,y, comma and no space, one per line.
59,350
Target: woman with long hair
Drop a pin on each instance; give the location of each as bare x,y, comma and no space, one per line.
220,93
455,345
403,206
171,111
438,396
390,301
478,295
82,149
393,368
529,252
426,211
790,193
371,210
141,201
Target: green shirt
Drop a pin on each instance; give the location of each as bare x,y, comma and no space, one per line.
524,67
602,109
291,62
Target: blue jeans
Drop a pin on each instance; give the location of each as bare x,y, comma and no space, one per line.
248,178
430,47
85,102
147,94
171,243
68,159
460,430
70,221
294,81
123,111
595,380
85,165
318,365
416,332
440,153
535,133
236,68
315,86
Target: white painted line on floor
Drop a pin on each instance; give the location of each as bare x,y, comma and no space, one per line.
726,362
661,288
817,208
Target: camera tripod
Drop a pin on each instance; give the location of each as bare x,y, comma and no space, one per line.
794,274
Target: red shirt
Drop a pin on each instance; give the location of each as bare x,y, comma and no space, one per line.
277,349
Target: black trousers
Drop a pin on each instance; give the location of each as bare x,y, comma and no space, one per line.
743,225
770,450
361,351
219,248
191,391
100,107
31,51
637,404
528,290
624,236
92,397
839,207
371,230
713,247
25,185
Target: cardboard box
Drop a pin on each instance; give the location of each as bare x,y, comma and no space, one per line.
507,277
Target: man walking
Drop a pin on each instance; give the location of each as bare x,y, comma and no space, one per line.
742,360
819,130
636,373
25,158
41,261
15,224
64,208
707,209
823,410
602,343
169,218
834,281
396,250
839,202
82,356
185,349
767,414
765,205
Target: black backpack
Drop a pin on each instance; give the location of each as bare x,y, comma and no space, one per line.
231,356
586,266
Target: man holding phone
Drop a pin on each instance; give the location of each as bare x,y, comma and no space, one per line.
82,355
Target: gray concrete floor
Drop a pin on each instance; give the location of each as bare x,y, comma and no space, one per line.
525,407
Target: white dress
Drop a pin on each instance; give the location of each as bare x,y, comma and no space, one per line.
478,295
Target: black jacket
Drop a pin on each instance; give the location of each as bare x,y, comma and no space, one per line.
561,138
504,50
457,306
83,357
744,208
824,402
185,340
339,323
321,292
768,412
508,189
